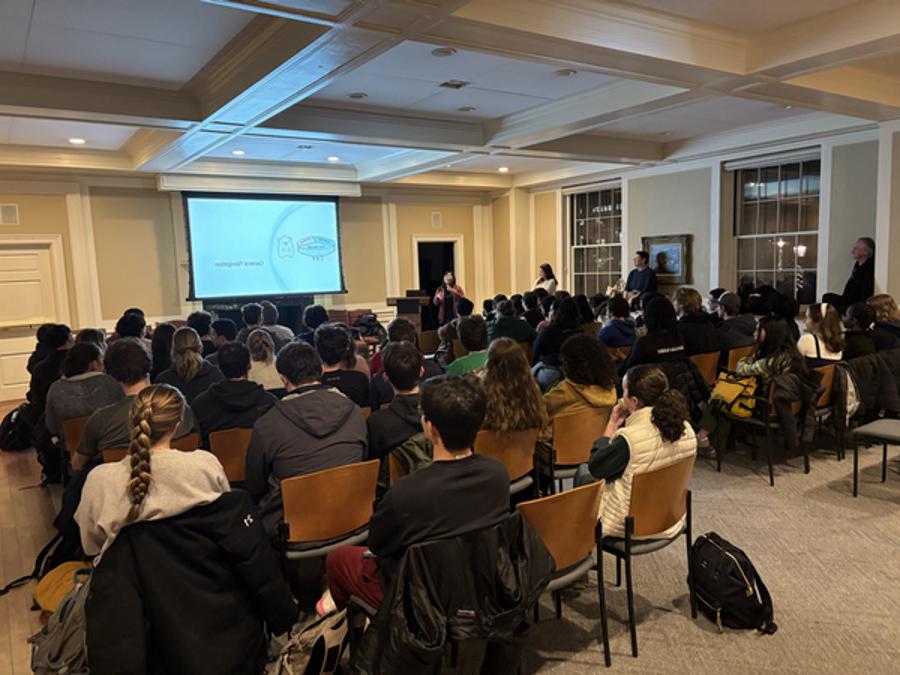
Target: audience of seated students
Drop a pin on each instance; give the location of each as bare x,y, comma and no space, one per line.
514,400
825,340
450,331
585,311
189,373
128,362
531,314
589,378
473,335
663,341
713,306
202,323
313,317
858,339
735,324
251,316
333,342
132,324
262,361
565,321
518,303
82,389
222,332
175,545
42,346
401,330
235,402
281,335
887,321
401,419
94,336
314,427
500,297
161,349
57,341
697,332
508,325
619,331
647,430
460,492
487,309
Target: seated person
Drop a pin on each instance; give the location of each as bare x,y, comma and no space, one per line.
251,315
460,492
619,331
202,323
532,314
565,321
315,427
589,378
507,324
401,419
735,329
647,430
128,362
48,370
513,397
697,331
333,341
663,340
94,336
473,335
262,361
641,279
858,338
189,373
222,332
887,321
280,334
172,541
82,389
825,340
132,324
450,331
235,402
42,347
313,317
161,349
402,330
713,306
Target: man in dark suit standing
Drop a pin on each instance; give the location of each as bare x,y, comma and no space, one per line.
861,284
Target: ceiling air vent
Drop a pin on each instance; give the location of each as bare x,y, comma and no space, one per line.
454,84
9,214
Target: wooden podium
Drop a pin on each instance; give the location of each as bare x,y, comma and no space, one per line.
410,308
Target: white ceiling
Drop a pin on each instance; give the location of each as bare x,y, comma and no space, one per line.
153,42
886,65
407,78
56,133
491,163
745,16
265,149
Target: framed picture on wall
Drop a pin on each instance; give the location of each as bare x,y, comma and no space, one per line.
670,258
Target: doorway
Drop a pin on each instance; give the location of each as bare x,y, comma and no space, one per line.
434,258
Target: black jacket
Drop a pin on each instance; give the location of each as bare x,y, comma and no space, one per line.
46,372
858,343
698,334
477,586
861,284
877,381
207,376
392,426
886,335
653,348
230,404
383,392
188,594
548,344
684,376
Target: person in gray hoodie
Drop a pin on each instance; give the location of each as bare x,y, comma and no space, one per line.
315,427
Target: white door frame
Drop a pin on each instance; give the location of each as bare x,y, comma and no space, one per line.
54,245
459,254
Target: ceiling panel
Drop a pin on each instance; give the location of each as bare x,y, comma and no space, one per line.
14,18
886,65
491,163
56,133
757,16
266,149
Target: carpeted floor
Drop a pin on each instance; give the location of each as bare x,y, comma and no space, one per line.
830,562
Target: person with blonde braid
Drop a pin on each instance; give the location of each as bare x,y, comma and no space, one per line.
189,373
185,580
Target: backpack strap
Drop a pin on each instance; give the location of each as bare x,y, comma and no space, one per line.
767,626
38,564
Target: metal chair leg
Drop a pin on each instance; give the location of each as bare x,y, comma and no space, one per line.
618,571
601,591
805,456
884,464
856,469
769,454
689,538
537,611
557,599
629,590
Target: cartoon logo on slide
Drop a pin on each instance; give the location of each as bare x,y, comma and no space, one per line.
316,247
285,247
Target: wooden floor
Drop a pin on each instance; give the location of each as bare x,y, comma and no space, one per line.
26,512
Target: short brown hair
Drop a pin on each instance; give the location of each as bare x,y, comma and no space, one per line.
127,360
689,299
473,333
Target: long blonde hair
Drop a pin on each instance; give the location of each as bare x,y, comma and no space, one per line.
261,346
514,401
885,307
187,353
155,413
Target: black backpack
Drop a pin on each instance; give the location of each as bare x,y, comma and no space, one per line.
729,590
15,430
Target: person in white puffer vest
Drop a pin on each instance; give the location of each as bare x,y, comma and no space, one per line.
647,430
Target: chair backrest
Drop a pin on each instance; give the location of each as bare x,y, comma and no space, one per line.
619,353
458,349
187,443
72,430
366,410
514,448
526,349
113,454
429,341
827,382
795,405
230,448
327,504
659,497
574,434
738,353
565,522
396,468
708,365
591,328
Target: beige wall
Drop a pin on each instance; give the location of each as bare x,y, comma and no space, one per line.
673,203
415,219
46,214
546,229
501,225
362,252
522,240
135,248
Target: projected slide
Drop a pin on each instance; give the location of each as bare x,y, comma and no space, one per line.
251,247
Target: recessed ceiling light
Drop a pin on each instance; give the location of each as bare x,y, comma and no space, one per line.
503,169
565,72
77,141
788,107
442,52
358,95
334,158
467,108
304,147
237,153
666,133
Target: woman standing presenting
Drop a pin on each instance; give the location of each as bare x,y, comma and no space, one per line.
546,279
447,297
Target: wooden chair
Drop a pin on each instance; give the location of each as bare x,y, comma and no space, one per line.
567,524
591,328
526,349
458,349
659,500
72,429
429,341
187,443
230,448
396,469
708,365
515,449
738,353
573,437
327,509
823,408
113,454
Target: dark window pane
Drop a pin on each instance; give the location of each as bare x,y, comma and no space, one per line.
593,204
790,180
809,214
593,231
746,257
616,230
784,252
807,251
788,215
810,180
765,253
768,217
615,266
579,284
769,180
750,184
617,202
806,290
606,203
748,214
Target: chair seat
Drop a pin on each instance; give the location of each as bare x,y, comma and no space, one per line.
571,574
362,606
318,549
521,484
881,430
638,546
560,472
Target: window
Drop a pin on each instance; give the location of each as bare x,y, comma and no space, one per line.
777,227
595,239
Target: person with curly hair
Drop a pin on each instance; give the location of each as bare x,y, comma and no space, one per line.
513,397
887,321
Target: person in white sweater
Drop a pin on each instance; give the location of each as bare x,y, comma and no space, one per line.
546,279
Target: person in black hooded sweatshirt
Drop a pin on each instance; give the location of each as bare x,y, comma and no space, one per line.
401,419
235,402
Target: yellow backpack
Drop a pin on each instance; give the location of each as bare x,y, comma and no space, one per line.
54,585
737,393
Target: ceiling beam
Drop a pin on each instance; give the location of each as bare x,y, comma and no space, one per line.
591,148
407,163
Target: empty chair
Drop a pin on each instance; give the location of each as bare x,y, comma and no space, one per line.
230,448
429,341
515,449
708,365
327,509
738,353
72,430
573,437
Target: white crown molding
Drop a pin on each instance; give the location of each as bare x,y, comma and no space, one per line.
183,182
262,169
